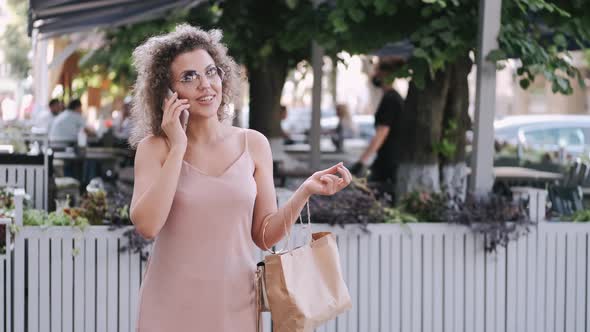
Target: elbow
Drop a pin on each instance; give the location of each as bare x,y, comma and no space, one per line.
258,242
144,229
260,245
148,234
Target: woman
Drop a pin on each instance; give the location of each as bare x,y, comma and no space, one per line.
205,194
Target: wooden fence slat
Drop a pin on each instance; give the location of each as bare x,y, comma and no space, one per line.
385,282
438,296
124,287
490,291
460,241
112,283
551,283
570,282
580,281
342,320
395,299
364,260
470,293
353,266
427,277
44,285
406,289
521,282
449,294
373,290
79,282
90,285
56,284
134,286
560,282
101,284
511,286
531,285
33,285
4,307
67,284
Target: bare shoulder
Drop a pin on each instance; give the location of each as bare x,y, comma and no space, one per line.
152,147
259,146
257,140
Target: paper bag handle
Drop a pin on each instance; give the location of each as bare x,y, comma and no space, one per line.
288,247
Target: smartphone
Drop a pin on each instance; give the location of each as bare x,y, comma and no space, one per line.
183,116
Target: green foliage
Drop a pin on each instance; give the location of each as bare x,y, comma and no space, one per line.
444,30
6,199
258,30
112,62
441,31
393,215
522,36
94,207
578,216
425,206
15,43
33,217
446,147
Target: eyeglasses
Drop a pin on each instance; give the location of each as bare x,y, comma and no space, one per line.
212,74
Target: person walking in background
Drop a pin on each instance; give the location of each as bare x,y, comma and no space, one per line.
206,194
384,166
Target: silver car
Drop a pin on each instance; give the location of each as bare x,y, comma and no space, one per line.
550,133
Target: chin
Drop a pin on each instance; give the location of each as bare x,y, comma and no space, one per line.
205,112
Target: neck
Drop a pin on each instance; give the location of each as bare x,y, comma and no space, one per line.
203,130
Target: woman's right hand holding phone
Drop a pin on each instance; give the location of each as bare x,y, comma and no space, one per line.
171,125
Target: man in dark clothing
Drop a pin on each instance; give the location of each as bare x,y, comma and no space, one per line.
386,117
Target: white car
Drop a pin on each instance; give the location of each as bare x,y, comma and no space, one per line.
546,132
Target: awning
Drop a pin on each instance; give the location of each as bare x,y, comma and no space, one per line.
58,17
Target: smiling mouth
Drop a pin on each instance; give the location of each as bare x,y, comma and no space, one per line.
206,98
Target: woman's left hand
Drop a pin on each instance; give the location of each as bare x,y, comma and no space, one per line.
326,182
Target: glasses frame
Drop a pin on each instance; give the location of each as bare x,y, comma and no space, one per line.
220,74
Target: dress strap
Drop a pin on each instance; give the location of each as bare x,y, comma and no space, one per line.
246,140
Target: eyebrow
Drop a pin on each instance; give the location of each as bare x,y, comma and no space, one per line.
192,71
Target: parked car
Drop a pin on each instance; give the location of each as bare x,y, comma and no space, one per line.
549,133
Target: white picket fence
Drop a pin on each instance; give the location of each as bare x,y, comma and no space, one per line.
419,277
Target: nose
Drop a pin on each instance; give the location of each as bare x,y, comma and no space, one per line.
204,83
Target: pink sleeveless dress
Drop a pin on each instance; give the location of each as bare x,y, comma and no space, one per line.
200,276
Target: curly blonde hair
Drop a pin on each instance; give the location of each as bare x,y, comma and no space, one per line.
152,61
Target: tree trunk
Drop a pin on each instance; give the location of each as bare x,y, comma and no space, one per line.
456,122
437,112
266,86
419,130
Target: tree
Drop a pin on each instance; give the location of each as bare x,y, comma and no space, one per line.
112,61
431,138
15,42
268,37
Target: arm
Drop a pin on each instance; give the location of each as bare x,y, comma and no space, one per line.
157,170
380,135
266,213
